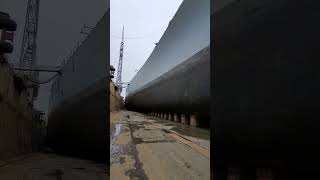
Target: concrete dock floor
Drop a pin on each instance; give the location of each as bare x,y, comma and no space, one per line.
145,147
41,166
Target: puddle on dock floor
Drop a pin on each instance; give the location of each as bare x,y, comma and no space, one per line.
117,131
115,150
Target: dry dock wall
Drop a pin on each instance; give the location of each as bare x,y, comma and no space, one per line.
15,116
116,101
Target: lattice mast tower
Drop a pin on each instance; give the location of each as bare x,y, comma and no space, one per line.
119,71
29,44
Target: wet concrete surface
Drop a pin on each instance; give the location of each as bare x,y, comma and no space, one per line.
123,153
144,147
42,166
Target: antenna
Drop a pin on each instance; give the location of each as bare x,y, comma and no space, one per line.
29,43
119,71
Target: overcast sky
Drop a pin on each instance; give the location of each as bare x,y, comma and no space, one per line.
144,23
60,23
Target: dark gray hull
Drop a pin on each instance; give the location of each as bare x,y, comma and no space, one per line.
266,74
176,76
185,88
79,104
78,127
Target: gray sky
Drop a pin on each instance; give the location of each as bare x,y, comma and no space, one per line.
142,18
60,23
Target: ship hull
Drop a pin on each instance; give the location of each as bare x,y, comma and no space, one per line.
266,100
79,104
78,127
183,89
176,76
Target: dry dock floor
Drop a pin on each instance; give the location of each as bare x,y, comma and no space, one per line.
145,147
41,166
